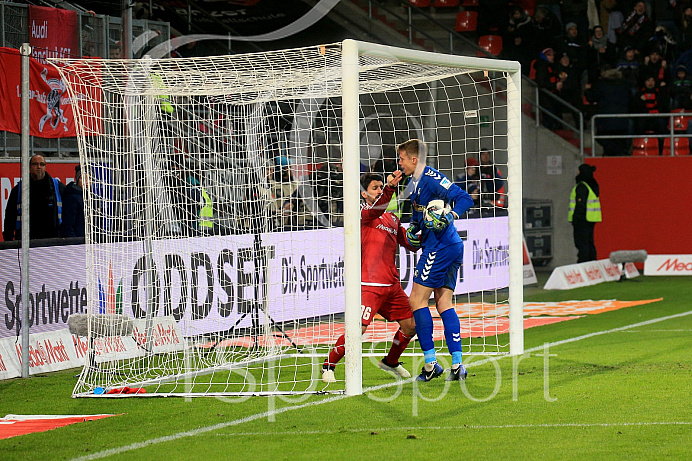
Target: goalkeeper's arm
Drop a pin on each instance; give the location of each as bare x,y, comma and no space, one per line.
462,203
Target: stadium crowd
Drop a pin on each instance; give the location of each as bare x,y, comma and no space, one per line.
603,57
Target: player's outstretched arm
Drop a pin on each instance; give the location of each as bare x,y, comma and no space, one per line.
370,213
407,238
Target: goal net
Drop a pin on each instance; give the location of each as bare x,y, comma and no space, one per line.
222,211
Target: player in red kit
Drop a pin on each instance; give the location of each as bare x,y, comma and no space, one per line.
381,234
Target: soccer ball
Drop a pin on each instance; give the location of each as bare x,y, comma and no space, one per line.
440,208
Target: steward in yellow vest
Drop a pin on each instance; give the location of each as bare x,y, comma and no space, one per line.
585,212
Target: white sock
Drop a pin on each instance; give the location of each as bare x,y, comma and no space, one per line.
430,366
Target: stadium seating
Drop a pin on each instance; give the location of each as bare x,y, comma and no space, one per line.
469,3
680,122
681,146
420,3
490,43
467,21
445,3
644,147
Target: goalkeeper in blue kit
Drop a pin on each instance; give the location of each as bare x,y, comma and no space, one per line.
441,257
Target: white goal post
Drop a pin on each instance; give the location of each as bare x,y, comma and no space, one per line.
222,211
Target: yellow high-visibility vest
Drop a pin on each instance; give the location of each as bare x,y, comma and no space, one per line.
164,100
593,205
206,213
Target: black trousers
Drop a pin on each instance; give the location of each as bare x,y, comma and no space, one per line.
583,240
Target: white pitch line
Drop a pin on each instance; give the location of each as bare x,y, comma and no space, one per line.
459,427
659,331
266,414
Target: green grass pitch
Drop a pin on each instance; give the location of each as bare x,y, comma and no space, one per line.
616,385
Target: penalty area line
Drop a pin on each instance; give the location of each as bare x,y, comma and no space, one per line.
267,414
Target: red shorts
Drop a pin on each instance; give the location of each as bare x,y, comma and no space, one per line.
390,302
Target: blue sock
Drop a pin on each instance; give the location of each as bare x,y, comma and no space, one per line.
450,320
424,330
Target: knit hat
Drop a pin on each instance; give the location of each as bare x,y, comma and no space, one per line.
570,25
548,51
471,162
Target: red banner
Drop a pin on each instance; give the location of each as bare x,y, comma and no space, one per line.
53,33
50,108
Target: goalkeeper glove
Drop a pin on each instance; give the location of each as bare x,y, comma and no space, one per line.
413,239
439,222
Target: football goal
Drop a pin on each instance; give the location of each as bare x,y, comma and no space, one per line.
222,211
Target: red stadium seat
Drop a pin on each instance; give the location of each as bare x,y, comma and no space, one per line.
682,146
490,43
644,147
445,3
467,21
469,3
680,122
420,3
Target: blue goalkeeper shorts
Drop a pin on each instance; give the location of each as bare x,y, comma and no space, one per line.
437,269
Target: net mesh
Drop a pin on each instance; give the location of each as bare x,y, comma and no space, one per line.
214,211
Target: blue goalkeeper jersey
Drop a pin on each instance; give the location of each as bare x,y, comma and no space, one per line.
430,186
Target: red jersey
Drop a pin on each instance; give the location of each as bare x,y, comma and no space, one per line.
381,233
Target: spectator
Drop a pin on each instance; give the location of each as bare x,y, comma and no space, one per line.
615,20
685,29
681,88
492,184
650,100
45,204
628,65
470,181
636,29
599,52
576,12
605,7
73,207
585,212
663,42
553,7
655,66
547,31
608,93
664,15
328,190
517,39
571,82
281,188
491,14
547,78
575,48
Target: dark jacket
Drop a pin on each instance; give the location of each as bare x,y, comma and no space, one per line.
72,211
611,94
44,218
546,74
